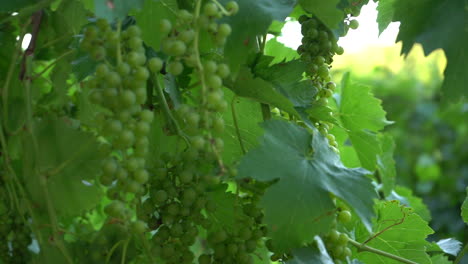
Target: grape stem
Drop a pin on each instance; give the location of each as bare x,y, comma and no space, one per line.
167,111
221,7
52,64
362,247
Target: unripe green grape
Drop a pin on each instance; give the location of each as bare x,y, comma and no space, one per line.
98,53
312,33
115,209
343,239
334,235
135,58
173,209
186,176
210,67
319,60
323,71
224,30
210,9
91,33
133,31
177,48
326,93
141,74
223,70
112,37
147,116
198,142
218,125
113,126
127,98
323,35
220,40
142,142
232,7
160,197
187,35
155,64
102,24
331,137
135,43
102,70
175,68
344,216
142,128
138,227
126,138
121,174
331,86
141,176
339,50
109,167
133,187
214,81
123,69
113,79
353,24
192,119
164,26
338,250
140,95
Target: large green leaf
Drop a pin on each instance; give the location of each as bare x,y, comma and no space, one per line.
386,164
326,11
385,14
279,51
406,197
248,116
398,231
9,6
437,24
464,209
246,85
253,19
69,159
299,206
287,78
361,114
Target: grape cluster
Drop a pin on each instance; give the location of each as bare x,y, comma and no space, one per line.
337,242
119,86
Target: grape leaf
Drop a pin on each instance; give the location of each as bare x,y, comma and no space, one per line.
70,160
287,79
279,51
440,259
253,18
315,253
403,233
361,114
464,208
437,24
116,9
407,198
248,118
149,16
299,206
326,11
386,164
247,85
385,14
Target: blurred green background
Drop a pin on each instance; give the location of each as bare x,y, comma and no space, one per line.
431,139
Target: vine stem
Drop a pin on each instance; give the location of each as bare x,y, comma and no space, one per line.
53,63
362,247
461,254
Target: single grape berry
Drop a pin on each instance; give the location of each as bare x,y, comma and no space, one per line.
210,9
232,7
155,64
353,24
164,26
175,68
344,216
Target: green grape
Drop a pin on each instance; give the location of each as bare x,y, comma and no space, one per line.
173,209
135,59
102,70
142,128
113,79
109,167
323,71
141,74
126,138
210,67
198,142
343,239
122,174
344,216
334,235
232,7
155,64
224,30
186,176
135,43
127,98
177,48
113,126
192,119
175,68
160,197
133,187
146,116
133,31
164,26
187,35
96,97
139,227
223,70
218,125
210,9
353,24
190,195
214,81
98,53
141,176
115,209
123,69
